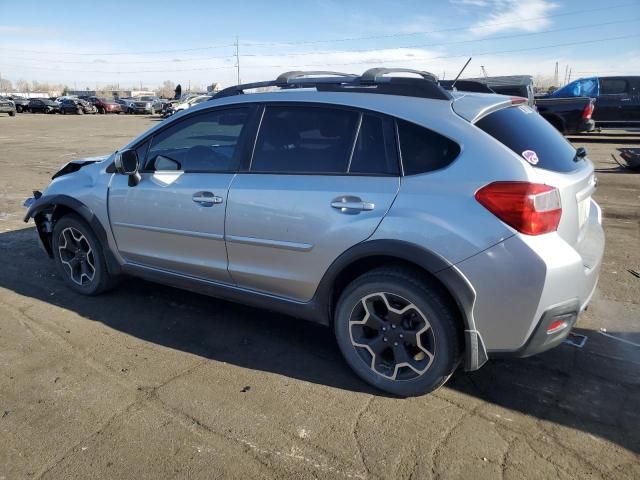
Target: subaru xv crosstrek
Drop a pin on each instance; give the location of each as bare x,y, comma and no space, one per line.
428,228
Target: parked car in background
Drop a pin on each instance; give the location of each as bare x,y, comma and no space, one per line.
43,105
105,105
77,106
617,99
156,103
382,223
126,104
7,106
191,102
512,85
21,103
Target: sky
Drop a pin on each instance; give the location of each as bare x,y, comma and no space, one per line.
139,42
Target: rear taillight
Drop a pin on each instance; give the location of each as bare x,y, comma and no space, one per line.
518,100
530,208
587,112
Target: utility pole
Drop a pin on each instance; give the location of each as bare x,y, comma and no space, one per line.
238,59
555,76
484,72
566,74
569,81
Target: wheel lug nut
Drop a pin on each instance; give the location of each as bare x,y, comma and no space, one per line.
384,329
384,339
395,344
393,326
401,336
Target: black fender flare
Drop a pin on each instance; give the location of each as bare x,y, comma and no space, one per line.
49,202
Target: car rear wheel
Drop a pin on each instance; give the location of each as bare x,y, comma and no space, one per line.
12,114
79,256
398,331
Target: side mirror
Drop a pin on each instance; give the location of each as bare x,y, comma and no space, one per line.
126,163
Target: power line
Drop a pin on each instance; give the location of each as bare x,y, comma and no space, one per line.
420,59
427,32
502,37
395,60
335,52
310,42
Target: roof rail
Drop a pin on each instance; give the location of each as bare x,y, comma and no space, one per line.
374,75
371,81
284,78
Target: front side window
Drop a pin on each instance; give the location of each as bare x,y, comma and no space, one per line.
304,139
205,142
424,150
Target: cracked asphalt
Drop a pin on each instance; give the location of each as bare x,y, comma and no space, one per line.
152,382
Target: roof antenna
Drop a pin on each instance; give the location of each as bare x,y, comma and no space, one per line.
460,73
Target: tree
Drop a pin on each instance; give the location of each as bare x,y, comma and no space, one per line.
167,89
5,85
22,85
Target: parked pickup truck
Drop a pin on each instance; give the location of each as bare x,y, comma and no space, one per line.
617,99
568,115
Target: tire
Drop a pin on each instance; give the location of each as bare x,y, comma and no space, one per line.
12,114
414,348
80,111
18,109
84,272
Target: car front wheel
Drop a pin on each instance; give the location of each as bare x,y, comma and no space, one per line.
79,256
398,331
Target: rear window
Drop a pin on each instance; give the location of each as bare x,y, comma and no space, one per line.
533,138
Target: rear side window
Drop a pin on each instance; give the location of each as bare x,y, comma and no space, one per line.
424,150
531,137
373,152
294,139
610,86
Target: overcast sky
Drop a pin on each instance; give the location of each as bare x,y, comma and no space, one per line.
85,44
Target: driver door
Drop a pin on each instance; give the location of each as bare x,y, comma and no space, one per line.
174,219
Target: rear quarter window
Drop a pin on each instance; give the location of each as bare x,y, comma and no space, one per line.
523,131
424,150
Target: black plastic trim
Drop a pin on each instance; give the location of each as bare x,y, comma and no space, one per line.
539,341
50,202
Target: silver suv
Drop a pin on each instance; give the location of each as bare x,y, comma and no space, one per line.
427,227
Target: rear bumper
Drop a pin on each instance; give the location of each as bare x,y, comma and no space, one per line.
586,126
526,283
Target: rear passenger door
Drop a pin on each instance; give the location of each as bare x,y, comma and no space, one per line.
614,100
320,180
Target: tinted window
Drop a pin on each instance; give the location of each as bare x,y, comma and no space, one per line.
612,86
423,150
371,154
304,140
204,142
584,87
523,130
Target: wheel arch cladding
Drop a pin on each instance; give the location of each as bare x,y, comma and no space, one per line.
450,282
59,205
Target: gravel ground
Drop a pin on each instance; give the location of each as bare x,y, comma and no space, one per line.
152,382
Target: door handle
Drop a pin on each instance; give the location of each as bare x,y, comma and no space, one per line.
351,204
625,99
206,199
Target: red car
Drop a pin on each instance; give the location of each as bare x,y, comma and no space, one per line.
106,105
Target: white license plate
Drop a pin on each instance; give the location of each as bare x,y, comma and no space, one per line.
583,211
